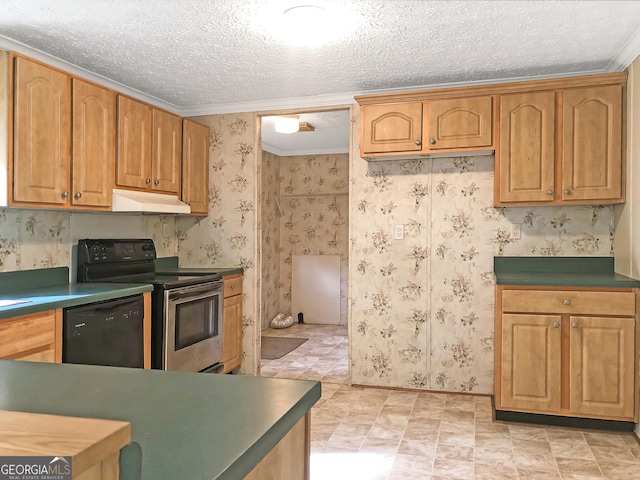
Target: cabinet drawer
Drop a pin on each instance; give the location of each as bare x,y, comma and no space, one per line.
27,332
232,286
569,302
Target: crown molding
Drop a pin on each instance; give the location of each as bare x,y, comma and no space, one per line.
278,104
319,101
7,43
627,55
306,151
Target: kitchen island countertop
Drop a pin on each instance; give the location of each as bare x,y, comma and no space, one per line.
189,426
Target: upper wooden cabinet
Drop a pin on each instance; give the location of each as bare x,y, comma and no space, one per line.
460,123
526,168
133,167
195,167
64,139
584,167
41,117
149,147
395,127
592,144
93,144
451,124
166,152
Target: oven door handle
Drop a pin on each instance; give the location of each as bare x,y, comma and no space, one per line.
195,294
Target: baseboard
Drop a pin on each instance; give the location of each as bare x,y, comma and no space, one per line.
561,421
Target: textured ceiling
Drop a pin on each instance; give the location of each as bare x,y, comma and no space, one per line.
211,56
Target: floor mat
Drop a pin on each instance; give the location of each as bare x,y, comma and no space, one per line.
277,347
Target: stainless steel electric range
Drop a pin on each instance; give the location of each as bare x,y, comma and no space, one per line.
186,310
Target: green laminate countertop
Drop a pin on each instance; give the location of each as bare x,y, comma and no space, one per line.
560,271
49,288
184,426
171,264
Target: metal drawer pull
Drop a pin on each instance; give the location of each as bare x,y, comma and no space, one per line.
556,325
549,192
567,302
418,142
574,325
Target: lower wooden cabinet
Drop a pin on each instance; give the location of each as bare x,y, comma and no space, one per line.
566,352
36,337
232,324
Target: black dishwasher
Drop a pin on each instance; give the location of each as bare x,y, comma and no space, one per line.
105,333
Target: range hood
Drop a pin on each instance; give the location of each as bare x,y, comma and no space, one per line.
144,202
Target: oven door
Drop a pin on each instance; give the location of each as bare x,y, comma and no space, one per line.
193,327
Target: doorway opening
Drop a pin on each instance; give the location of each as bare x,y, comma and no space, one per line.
304,245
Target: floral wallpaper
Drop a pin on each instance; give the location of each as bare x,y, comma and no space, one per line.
314,198
31,239
422,308
270,240
230,234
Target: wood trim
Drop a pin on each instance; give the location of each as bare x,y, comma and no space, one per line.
636,402
89,441
58,336
146,329
289,459
564,288
565,356
495,89
497,348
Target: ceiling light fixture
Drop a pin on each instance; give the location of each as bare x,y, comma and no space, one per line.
287,123
309,25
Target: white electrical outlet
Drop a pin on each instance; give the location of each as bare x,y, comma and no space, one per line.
398,232
516,231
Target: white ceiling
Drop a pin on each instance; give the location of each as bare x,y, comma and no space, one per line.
196,57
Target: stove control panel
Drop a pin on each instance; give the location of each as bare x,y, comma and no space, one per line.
100,251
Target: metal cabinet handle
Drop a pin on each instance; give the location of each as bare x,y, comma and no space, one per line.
156,182
65,195
567,191
77,195
549,192
147,180
556,325
232,287
418,142
567,301
432,141
574,325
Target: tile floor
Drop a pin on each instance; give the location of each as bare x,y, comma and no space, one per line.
379,434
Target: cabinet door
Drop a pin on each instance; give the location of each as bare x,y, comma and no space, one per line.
601,372
394,127
232,333
40,134
166,160
195,167
592,143
133,167
530,371
460,123
30,337
93,144
526,156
